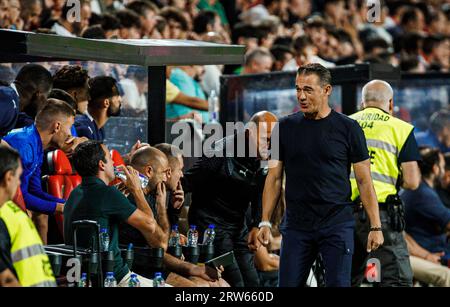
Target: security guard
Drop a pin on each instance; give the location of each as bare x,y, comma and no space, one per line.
393,155
22,256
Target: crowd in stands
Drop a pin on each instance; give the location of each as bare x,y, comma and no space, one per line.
411,34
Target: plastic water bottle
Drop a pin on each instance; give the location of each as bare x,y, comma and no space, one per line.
110,281
134,281
83,283
213,107
192,236
209,235
104,239
158,281
121,174
174,239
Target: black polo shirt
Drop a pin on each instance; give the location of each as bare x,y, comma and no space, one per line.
317,156
94,200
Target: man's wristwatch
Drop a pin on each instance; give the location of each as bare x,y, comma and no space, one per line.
266,224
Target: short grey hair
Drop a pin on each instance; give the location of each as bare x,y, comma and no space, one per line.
369,94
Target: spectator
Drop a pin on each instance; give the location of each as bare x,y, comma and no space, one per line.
15,21
426,266
147,12
436,53
175,96
427,219
305,53
215,6
31,13
51,130
135,89
94,32
243,34
412,65
335,12
438,135
23,261
282,55
412,20
74,80
27,92
437,23
66,24
161,28
375,29
375,47
280,8
177,22
443,188
4,12
130,24
258,61
185,79
95,200
207,21
104,102
111,26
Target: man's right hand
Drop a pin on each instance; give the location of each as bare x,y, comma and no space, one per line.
264,235
206,272
59,208
161,194
132,183
435,257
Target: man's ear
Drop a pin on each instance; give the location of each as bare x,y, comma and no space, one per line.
391,106
6,179
101,165
56,127
436,169
106,103
328,89
149,171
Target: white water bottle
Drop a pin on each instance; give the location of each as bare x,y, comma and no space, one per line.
213,107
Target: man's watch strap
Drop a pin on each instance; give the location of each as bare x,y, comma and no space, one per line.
266,224
375,229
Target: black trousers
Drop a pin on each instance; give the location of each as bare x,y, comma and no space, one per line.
243,272
393,255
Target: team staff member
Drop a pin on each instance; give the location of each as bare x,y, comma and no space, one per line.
393,157
22,257
316,149
224,187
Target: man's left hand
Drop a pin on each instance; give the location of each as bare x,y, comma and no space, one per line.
374,240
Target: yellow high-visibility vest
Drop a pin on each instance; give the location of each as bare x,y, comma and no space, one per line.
30,262
385,137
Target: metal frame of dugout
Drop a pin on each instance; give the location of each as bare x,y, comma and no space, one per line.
20,47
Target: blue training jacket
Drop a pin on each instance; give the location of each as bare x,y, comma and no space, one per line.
27,142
